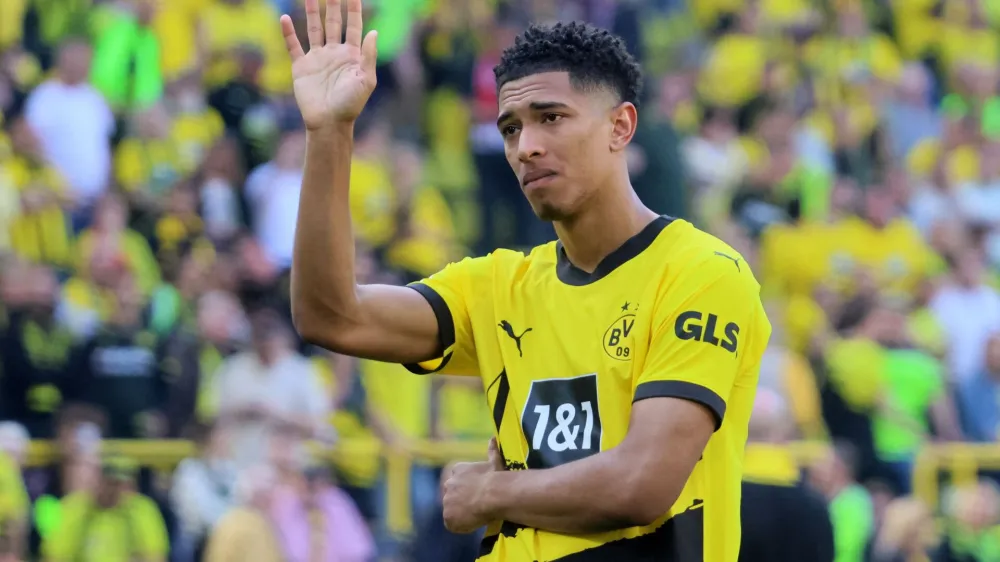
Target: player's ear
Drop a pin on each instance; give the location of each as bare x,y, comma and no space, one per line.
624,119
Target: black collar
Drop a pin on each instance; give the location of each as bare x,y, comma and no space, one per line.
573,275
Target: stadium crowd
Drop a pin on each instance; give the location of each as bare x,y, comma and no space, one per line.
150,163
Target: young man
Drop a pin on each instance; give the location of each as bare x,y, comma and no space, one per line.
620,363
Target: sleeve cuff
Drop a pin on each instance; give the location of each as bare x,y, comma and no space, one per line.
446,331
686,390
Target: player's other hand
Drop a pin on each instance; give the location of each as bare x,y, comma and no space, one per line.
465,510
335,78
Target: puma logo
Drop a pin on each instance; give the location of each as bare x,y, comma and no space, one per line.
730,258
509,330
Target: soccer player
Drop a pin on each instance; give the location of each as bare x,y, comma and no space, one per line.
620,363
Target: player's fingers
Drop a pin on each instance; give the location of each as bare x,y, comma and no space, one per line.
291,39
445,475
369,52
314,24
354,23
334,22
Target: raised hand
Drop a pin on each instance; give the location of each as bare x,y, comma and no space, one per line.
334,79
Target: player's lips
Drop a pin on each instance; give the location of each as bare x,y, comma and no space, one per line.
535,177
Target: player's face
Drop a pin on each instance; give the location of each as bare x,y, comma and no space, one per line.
561,142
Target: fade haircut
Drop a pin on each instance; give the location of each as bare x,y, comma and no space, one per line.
593,57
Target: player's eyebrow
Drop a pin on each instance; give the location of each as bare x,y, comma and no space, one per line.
533,106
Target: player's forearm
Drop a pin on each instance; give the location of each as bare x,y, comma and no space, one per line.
596,494
323,285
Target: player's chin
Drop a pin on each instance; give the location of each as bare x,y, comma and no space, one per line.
548,210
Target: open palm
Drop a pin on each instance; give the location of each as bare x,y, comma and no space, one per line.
334,79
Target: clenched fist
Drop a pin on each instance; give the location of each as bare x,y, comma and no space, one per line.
465,505
333,81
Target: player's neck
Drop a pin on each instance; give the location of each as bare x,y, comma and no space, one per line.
602,228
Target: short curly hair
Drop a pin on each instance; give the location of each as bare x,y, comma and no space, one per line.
592,56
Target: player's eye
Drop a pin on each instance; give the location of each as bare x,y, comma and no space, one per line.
551,117
508,130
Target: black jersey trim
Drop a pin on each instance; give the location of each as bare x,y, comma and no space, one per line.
446,328
679,539
686,390
573,275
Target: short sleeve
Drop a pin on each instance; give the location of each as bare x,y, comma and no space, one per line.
708,326
455,294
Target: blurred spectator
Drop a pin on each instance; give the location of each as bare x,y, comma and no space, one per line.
111,522
969,311
318,522
424,240
272,191
121,370
219,185
716,162
373,199
245,109
851,510
202,491
41,233
110,245
658,170
180,238
127,57
979,397
403,410
247,272
786,372
42,30
246,532
75,126
75,468
194,124
973,515
148,160
269,386
907,532
222,39
915,400
357,470
41,362
14,503
891,248
910,116
193,354
979,199
773,496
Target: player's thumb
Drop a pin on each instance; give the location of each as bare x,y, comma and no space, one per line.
494,456
369,51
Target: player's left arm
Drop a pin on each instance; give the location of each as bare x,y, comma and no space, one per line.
700,331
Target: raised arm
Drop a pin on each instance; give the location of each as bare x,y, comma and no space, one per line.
332,82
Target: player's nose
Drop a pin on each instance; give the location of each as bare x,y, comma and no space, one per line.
529,146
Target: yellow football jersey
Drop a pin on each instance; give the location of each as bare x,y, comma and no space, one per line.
563,354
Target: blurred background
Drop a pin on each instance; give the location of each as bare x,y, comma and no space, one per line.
157,404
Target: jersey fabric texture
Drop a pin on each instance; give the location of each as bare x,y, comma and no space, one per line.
563,354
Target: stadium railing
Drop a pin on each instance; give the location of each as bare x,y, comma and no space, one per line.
961,461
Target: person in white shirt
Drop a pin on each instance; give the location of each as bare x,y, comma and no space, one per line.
273,192
269,387
75,126
969,311
203,489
